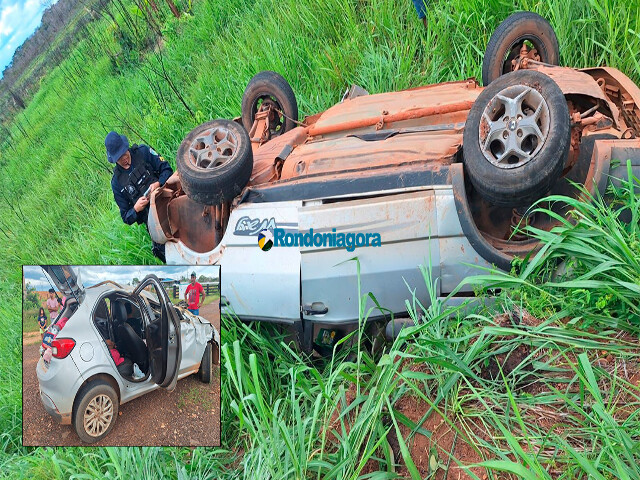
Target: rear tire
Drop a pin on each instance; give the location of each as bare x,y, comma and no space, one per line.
96,411
215,162
510,161
504,44
206,365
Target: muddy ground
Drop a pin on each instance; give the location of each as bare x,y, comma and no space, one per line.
188,416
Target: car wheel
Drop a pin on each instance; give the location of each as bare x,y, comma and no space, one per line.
516,138
270,89
215,161
206,365
96,411
515,31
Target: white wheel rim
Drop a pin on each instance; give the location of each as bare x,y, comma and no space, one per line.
213,148
514,126
98,415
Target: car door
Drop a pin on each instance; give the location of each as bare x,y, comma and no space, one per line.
260,285
407,225
162,331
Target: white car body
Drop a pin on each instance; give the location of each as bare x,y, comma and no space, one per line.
61,379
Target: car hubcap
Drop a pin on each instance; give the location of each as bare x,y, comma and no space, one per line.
213,148
514,126
98,415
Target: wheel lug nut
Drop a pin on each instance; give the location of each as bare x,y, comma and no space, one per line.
505,134
519,133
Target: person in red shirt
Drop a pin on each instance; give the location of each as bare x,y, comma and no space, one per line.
192,295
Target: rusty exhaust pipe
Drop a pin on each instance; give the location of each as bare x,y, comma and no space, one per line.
390,118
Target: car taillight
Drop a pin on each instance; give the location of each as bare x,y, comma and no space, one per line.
61,347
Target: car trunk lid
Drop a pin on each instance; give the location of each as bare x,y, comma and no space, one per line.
67,280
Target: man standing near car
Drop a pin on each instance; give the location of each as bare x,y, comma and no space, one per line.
52,305
138,172
192,295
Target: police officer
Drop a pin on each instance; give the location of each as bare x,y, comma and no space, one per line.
138,172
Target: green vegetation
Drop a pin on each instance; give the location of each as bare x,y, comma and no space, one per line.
30,321
208,299
568,408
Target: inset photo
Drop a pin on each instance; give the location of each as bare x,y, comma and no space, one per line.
121,355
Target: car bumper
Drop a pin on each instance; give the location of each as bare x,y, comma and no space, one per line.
50,407
177,253
59,384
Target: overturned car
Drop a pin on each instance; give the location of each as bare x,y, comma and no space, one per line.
81,383
443,173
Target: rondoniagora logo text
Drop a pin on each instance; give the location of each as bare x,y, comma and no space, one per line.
350,241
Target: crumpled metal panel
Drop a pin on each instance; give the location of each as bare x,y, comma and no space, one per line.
576,82
194,224
195,333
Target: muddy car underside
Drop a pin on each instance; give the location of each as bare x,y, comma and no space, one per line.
413,138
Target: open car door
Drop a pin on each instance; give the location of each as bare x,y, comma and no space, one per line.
162,332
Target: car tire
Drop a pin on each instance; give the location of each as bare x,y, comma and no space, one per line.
272,87
215,162
510,161
95,397
504,45
206,365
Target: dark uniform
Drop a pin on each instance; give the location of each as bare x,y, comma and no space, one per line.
131,184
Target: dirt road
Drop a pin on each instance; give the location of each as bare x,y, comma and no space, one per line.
188,416
212,313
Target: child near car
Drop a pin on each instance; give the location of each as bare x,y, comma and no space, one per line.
42,321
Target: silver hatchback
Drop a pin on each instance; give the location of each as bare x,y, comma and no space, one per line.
79,381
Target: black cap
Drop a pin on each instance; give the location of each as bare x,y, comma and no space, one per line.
193,274
116,145
51,290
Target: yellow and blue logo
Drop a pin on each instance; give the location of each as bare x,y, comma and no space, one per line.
265,240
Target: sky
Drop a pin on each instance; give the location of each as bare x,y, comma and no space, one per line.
18,20
90,275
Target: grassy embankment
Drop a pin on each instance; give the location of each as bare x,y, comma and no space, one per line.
284,417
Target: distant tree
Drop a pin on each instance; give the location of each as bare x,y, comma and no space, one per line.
32,299
17,99
135,281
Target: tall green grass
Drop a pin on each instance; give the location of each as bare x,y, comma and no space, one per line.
589,267
285,416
